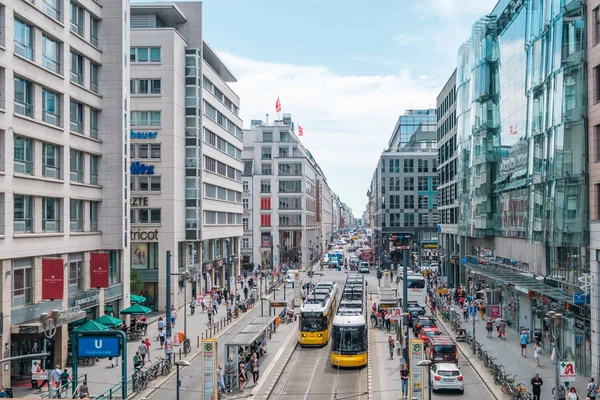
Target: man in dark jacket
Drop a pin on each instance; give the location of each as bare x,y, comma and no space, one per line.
536,386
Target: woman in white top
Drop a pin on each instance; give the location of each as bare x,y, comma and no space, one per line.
572,395
537,350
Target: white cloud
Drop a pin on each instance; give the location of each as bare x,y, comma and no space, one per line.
347,120
450,9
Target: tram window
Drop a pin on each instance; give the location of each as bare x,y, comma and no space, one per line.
349,339
312,322
416,284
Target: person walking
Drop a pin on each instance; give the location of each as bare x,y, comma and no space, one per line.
524,344
148,345
536,386
255,370
243,378
173,316
489,326
229,371
142,348
387,321
169,348
56,380
84,390
137,361
64,380
160,324
193,306
404,379
391,346
562,393
572,394
592,390
220,379
537,351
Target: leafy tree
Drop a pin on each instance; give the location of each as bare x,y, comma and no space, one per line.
136,282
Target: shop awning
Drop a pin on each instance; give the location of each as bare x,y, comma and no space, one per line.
501,179
514,185
136,309
522,282
91,326
135,299
519,174
109,321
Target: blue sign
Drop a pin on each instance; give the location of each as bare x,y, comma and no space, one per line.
464,260
99,346
142,135
137,168
472,310
578,298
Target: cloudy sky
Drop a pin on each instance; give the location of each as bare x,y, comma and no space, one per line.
345,69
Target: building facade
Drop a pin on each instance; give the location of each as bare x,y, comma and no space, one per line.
186,147
283,198
404,191
448,202
63,172
522,110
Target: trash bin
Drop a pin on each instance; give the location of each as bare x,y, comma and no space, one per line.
181,336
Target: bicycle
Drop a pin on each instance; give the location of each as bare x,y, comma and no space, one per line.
187,346
140,381
166,365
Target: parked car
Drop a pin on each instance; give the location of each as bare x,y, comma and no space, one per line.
427,333
447,376
422,322
413,313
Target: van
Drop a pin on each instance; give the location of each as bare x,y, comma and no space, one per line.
363,267
442,349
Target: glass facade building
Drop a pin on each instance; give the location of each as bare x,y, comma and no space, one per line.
522,143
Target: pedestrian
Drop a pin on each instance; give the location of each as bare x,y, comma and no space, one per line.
160,324
482,311
229,372
391,346
142,348
242,376
56,380
591,390
537,350
388,322
173,316
404,379
215,305
561,393
220,379
572,394
193,306
169,348
64,380
523,344
84,391
255,370
148,344
465,311
161,337
137,361
373,320
536,386
489,326
3,394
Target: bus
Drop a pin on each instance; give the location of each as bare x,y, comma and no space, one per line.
349,334
366,254
316,316
417,288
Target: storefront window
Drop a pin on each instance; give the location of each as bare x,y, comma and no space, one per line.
205,251
75,273
22,282
144,255
114,266
218,248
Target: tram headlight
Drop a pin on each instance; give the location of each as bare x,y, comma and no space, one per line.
320,335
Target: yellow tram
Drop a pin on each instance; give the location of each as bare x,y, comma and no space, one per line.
316,315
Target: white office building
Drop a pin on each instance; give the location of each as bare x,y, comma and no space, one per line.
63,171
186,148
283,199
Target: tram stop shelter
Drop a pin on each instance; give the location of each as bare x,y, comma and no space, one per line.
248,341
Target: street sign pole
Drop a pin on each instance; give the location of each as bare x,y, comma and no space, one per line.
473,312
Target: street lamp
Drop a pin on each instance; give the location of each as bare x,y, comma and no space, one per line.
180,363
426,364
555,324
49,326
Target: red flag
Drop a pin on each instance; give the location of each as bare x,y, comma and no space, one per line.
278,105
99,270
300,131
52,279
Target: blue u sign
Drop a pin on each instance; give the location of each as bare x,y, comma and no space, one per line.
98,346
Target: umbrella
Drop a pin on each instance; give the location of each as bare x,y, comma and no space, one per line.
109,321
137,299
136,309
91,326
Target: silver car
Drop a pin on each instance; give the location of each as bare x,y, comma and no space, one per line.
447,376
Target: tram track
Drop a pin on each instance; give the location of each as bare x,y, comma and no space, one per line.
304,363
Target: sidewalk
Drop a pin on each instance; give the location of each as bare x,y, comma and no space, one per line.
508,353
101,376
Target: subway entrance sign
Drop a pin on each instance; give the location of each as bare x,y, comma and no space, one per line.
99,346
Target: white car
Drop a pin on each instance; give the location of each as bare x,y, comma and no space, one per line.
290,278
447,376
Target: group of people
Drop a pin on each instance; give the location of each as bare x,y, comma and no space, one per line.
60,379
566,392
381,318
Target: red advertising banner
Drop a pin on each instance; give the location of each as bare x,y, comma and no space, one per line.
53,279
494,312
99,270
265,240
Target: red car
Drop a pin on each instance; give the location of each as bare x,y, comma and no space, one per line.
427,333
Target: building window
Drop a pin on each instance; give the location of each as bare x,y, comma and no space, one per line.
409,202
265,220
94,77
409,166
77,19
265,153
267,137
145,54
23,97
266,169
50,107
409,184
597,83
52,8
145,118
94,28
77,68
114,266
145,183
245,223
50,54
76,117
76,166
94,207
265,186
50,214
76,211
244,185
145,86
423,165
23,214
75,272
94,114
265,203
22,282
245,243
423,183
409,220
23,39
245,204
23,155
50,161
596,26
94,169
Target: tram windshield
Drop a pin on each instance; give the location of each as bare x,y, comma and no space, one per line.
312,322
349,339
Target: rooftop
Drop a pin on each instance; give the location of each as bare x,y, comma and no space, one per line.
169,13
